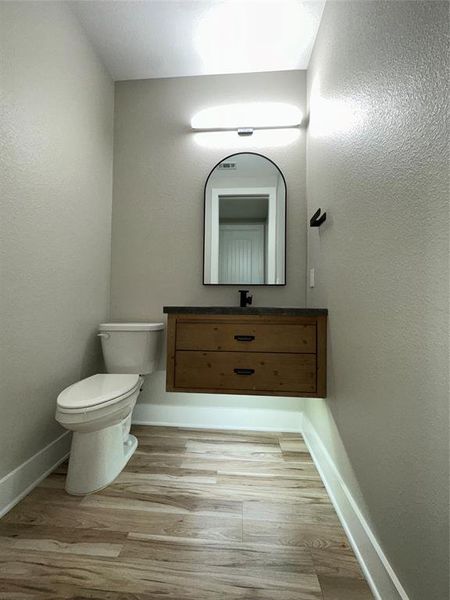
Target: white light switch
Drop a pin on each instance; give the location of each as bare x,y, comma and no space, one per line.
311,277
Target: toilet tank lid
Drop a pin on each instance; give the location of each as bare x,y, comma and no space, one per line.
131,326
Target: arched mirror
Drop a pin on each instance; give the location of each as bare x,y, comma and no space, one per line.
245,222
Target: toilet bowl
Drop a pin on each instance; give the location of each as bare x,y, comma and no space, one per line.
98,409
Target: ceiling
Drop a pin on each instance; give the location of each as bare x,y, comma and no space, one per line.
174,38
243,207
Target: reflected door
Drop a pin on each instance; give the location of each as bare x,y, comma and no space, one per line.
241,253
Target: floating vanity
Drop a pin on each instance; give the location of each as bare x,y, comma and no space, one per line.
231,350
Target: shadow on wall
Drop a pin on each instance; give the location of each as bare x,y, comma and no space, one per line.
319,412
156,406
92,360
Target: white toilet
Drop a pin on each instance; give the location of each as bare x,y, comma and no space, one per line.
98,409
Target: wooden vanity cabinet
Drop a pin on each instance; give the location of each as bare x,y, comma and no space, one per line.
274,355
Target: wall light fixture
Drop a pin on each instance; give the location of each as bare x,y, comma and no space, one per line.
245,118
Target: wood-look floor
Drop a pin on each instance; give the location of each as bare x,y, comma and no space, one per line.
196,515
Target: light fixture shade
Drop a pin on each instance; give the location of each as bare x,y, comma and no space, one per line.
256,115
261,139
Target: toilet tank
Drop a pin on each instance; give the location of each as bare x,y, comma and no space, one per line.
131,347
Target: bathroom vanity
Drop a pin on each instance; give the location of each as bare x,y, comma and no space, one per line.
231,350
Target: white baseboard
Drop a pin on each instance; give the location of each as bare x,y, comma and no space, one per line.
379,573
18,483
222,413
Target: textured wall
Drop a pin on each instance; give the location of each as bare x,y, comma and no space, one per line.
159,174
378,163
56,188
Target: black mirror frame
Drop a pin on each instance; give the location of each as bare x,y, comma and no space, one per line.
285,224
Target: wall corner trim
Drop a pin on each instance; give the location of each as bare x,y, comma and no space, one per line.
379,573
18,483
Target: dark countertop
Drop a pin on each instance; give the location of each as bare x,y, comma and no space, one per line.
250,310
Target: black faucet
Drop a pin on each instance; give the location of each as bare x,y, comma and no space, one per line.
245,298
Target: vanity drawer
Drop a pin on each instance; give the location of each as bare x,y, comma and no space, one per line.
252,372
246,336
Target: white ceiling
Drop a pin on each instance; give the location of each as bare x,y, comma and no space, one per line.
243,207
174,38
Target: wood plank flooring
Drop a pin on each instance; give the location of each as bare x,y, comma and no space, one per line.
196,515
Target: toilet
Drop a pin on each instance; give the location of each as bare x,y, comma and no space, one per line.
98,409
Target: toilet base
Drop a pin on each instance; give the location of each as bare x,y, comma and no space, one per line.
97,458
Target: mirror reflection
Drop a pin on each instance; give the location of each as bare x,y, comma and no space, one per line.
245,222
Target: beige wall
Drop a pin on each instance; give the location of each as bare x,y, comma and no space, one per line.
378,163
56,187
159,174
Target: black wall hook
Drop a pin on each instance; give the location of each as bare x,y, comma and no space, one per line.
317,220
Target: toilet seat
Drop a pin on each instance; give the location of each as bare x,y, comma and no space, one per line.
97,391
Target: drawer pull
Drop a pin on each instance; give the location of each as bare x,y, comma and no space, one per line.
244,371
244,338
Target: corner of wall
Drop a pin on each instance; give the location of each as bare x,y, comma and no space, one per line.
376,567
